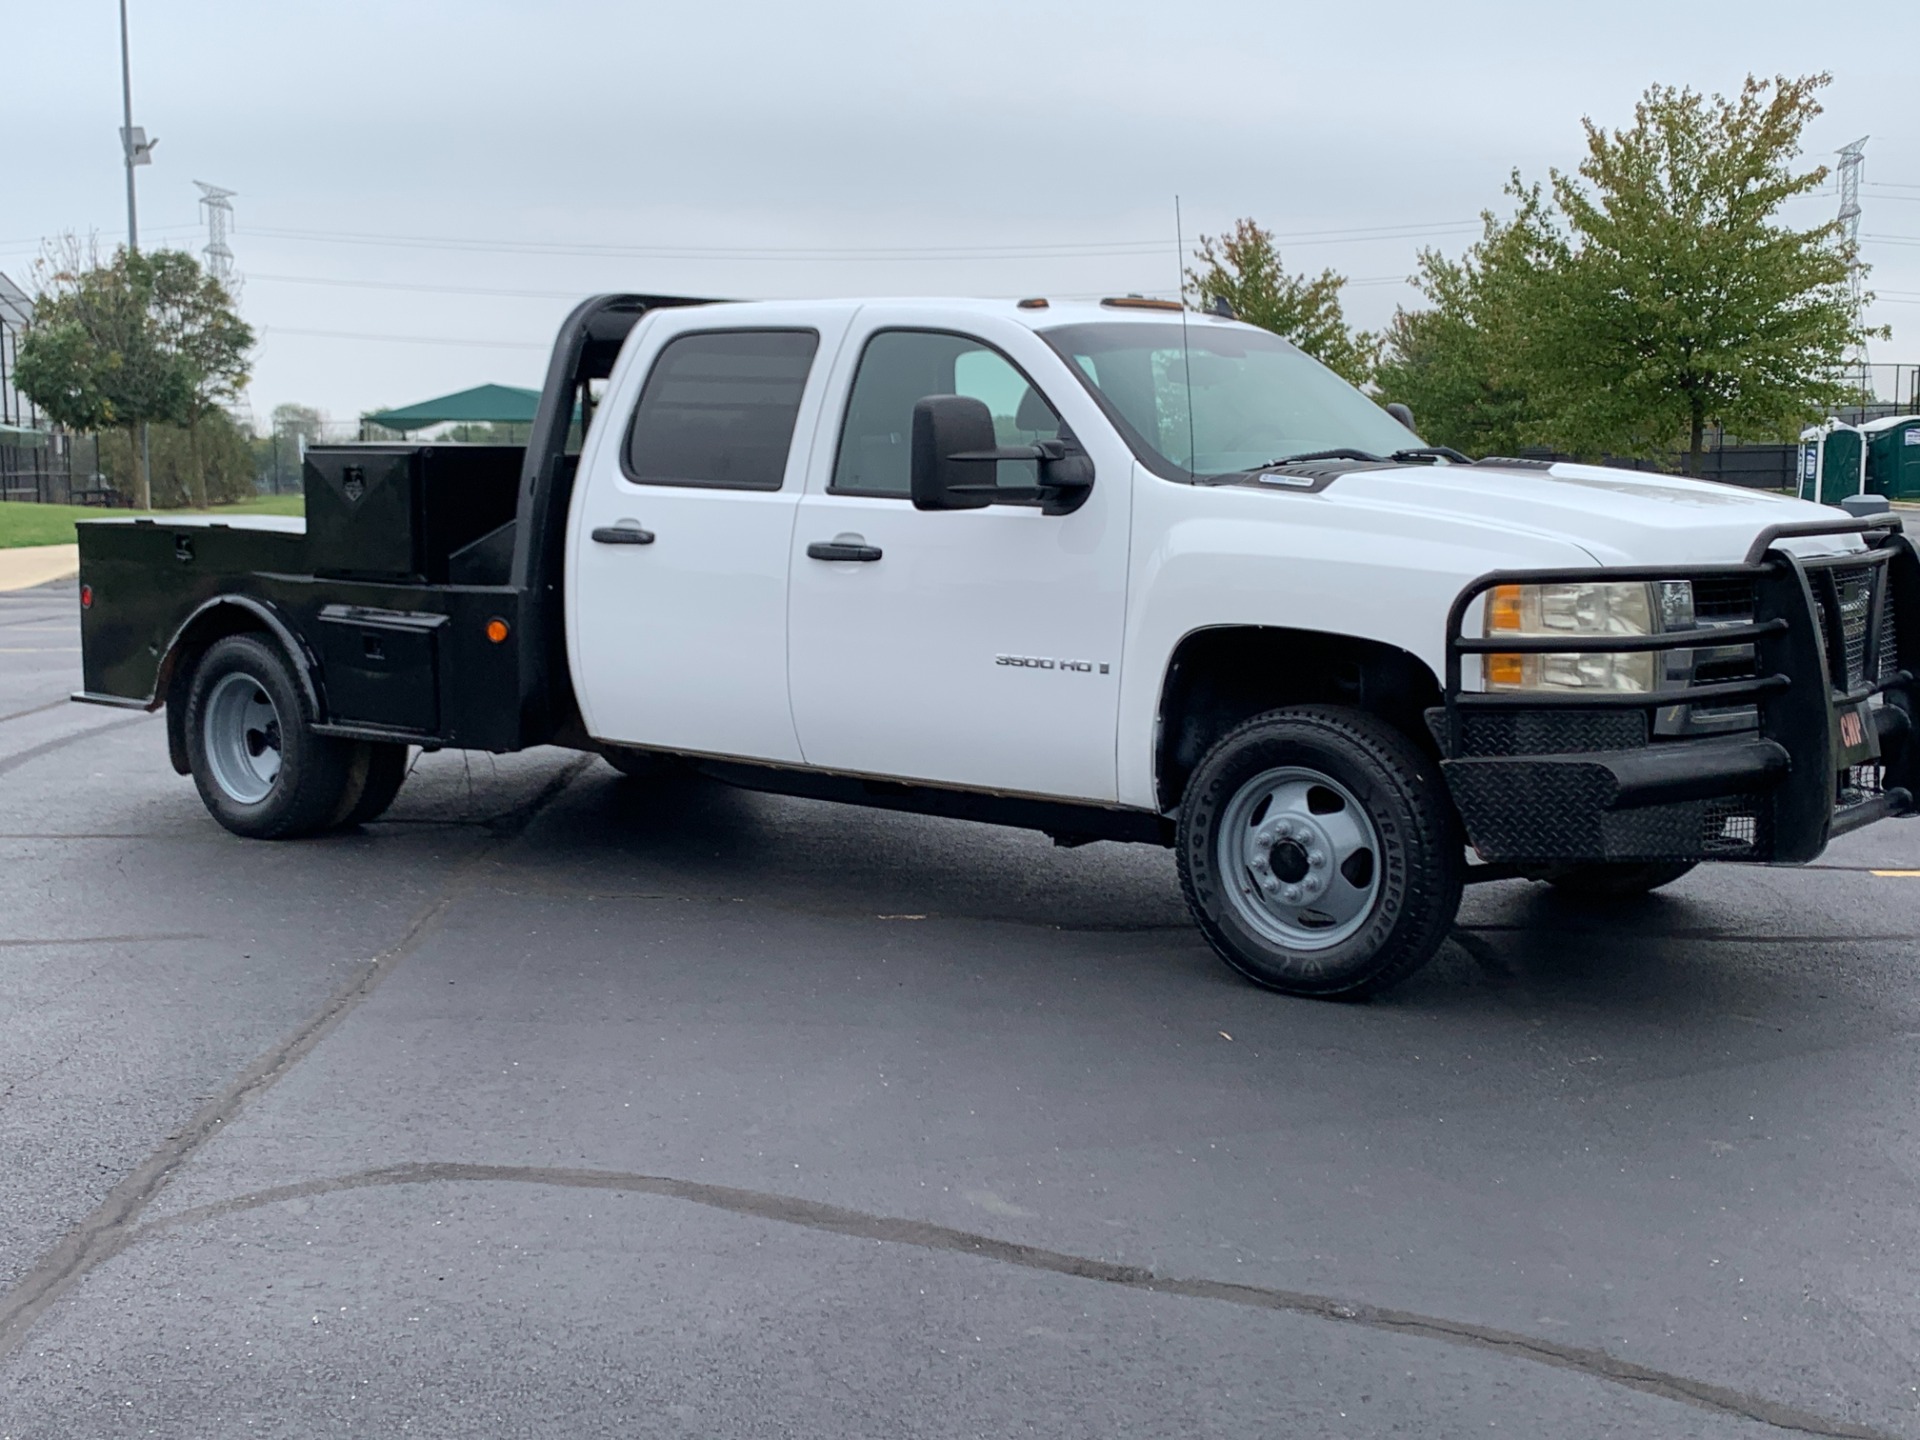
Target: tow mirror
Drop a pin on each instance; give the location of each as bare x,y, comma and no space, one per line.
953,442
945,428
1402,413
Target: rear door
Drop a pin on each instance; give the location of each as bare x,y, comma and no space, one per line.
978,648
678,552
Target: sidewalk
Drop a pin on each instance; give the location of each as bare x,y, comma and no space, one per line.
27,565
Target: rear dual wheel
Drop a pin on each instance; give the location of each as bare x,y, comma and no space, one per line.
1319,853
260,769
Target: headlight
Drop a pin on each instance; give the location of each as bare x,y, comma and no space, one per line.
1583,608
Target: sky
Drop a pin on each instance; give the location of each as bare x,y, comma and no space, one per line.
424,189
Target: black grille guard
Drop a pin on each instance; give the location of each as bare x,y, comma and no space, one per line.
1798,691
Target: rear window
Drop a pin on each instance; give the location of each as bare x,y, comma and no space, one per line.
719,408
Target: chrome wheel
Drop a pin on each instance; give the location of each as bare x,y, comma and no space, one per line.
242,737
1300,858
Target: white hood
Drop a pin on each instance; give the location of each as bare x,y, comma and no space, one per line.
1619,517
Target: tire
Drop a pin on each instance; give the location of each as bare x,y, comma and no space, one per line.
260,769
379,769
1319,852
1617,881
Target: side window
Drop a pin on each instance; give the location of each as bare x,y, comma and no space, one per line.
718,409
900,367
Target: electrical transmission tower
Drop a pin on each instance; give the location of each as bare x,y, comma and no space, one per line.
217,203
1853,159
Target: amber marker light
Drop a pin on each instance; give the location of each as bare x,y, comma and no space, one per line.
1503,614
497,630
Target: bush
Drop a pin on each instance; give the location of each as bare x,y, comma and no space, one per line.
212,464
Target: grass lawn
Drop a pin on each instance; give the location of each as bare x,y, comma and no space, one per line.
24,523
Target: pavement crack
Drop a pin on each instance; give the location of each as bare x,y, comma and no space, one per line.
34,752
837,1220
53,704
108,1229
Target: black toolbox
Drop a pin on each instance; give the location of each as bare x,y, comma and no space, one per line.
397,513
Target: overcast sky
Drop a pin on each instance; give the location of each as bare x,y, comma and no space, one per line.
424,188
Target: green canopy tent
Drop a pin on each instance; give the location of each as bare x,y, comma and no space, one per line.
482,405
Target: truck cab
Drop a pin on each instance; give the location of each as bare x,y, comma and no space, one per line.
1110,571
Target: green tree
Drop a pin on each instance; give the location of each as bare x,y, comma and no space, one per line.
199,319
1244,270
1465,363
1687,299
1652,292
145,338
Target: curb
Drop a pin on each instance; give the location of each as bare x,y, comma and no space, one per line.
25,566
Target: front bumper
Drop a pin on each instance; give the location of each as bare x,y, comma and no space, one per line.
1826,743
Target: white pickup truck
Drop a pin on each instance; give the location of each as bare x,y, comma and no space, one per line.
1109,571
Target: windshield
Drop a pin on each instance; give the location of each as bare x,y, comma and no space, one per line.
1255,397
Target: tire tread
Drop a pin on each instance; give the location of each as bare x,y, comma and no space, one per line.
1433,888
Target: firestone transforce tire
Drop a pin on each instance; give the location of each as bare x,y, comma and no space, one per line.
1319,852
1617,881
260,769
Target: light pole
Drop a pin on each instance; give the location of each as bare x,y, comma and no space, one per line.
134,143
138,150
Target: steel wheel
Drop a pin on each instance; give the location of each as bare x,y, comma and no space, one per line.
1299,858
241,732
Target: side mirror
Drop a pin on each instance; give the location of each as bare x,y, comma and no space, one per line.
953,439
1402,413
945,428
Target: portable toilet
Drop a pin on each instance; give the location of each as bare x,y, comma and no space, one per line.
1833,463
1893,456
1807,474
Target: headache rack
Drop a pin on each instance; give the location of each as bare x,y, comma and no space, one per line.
1773,769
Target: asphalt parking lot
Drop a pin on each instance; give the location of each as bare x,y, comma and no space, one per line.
559,1105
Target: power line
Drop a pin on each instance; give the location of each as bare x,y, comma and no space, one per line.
1062,250
411,339
408,286
424,289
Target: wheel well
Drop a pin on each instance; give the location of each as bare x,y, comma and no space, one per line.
207,628
1221,677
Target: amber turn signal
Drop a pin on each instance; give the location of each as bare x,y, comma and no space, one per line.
1503,609
1506,670
497,630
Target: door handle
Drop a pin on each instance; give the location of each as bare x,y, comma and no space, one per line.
623,535
843,547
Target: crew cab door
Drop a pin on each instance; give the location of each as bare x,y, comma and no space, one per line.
677,553
978,648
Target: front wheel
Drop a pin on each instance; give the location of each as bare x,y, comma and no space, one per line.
1318,852
260,769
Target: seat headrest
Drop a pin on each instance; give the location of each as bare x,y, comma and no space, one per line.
1035,414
